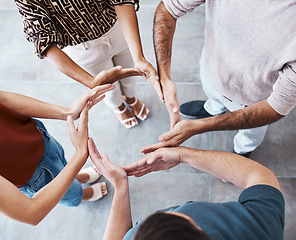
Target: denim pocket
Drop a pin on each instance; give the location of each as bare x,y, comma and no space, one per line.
43,178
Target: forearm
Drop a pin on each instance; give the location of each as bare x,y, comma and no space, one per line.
67,66
230,167
129,24
49,196
255,115
17,206
30,107
120,220
163,33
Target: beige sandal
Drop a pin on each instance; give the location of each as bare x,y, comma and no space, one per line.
97,188
124,121
93,173
141,111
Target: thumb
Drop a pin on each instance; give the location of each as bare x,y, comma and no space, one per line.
151,158
166,136
70,123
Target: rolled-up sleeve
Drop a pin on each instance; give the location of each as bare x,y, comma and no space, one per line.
178,8
37,26
283,96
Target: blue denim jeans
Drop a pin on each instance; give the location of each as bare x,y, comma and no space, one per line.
51,164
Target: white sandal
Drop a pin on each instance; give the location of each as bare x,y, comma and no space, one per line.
141,111
132,119
97,188
93,173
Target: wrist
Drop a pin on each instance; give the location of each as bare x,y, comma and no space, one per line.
139,57
81,152
199,126
65,112
165,80
183,154
121,186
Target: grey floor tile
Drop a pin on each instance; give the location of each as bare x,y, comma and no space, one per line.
289,192
278,148
17,62
189,53
223,192
177,188
7,5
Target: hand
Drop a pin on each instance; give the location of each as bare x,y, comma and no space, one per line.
150,75
179,134
171,101
114,74
161,159
91,98
79,135
113,172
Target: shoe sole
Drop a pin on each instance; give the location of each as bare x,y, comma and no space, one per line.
188,116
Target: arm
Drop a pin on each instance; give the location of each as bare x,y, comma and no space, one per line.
30,107
120,220
255,115
16,205
67,66
163,33
230,167
129,24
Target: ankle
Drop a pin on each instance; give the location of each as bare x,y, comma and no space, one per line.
130,100
120,108
87,194
82,177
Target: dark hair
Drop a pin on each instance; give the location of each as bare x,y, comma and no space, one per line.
164,226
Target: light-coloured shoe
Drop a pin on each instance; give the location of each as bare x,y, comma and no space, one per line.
93,173
139,115
98,194
125,121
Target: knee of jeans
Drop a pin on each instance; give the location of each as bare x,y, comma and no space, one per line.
73,196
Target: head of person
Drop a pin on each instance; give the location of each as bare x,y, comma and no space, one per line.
169,226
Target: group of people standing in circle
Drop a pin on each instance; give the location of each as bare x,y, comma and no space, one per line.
244,70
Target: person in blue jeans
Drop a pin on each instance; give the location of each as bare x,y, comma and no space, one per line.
34,174
258,214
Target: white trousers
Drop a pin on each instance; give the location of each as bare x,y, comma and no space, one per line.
102,54
246,140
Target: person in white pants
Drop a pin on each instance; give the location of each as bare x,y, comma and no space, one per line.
106,52
95,43
246,140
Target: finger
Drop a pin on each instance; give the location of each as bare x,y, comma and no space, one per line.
132,72
93,151
153,147
137,172
142,173
174,119
83,122
157,87
70,123
167,136
94,102
99,90
137,164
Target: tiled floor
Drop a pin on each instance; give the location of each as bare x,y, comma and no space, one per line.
21,71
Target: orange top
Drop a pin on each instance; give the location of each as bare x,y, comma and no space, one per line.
21,146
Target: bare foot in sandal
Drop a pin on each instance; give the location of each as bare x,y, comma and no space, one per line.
138,108
95,192
125,116
88,175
